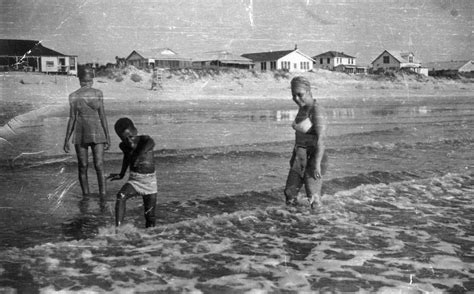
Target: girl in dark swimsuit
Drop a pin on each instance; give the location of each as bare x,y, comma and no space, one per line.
88,123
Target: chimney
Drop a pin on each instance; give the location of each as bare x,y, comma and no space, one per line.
296,46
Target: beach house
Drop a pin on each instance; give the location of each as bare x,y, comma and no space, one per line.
396,60
31,55
158,57
450,68
289,60
332,59
221,59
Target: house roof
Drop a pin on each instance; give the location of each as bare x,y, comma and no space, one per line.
446,65
158,53
12,47
271,55
333,54
222,56
400,56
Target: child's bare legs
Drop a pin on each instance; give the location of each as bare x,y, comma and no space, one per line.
149,204
82,163
98,155
123,195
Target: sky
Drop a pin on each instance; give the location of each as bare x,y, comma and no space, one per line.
99,30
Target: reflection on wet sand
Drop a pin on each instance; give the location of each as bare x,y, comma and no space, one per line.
87,222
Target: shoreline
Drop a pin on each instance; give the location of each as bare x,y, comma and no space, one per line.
23,111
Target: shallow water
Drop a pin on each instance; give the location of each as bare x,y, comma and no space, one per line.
398,204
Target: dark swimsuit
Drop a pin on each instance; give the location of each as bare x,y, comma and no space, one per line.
303,159
88,128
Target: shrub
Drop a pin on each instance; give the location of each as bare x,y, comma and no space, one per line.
119,79
281,74
136,78
254,73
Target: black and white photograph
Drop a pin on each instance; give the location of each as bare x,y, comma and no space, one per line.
236,146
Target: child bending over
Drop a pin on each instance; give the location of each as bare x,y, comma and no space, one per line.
138,155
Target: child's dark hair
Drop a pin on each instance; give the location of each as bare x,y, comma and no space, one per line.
85,74
122,124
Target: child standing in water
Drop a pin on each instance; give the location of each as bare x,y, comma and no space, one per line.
308,159
138,155
88,122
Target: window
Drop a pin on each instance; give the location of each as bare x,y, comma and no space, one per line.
386,59
306,65
263,65
295,65
72,63
320,61
273,65
49,63
410,58
329,60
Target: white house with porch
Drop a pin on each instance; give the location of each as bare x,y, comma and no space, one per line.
289,60
31,55
395,60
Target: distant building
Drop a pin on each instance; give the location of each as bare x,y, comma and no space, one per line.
395,60
160,57
338,61
450,67
218,59
331,59
290,60
30,55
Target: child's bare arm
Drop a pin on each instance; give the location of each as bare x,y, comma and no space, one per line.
103,120
125,165
320,124
70,124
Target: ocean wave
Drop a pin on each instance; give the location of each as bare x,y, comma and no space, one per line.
268,150
432,144
412,235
